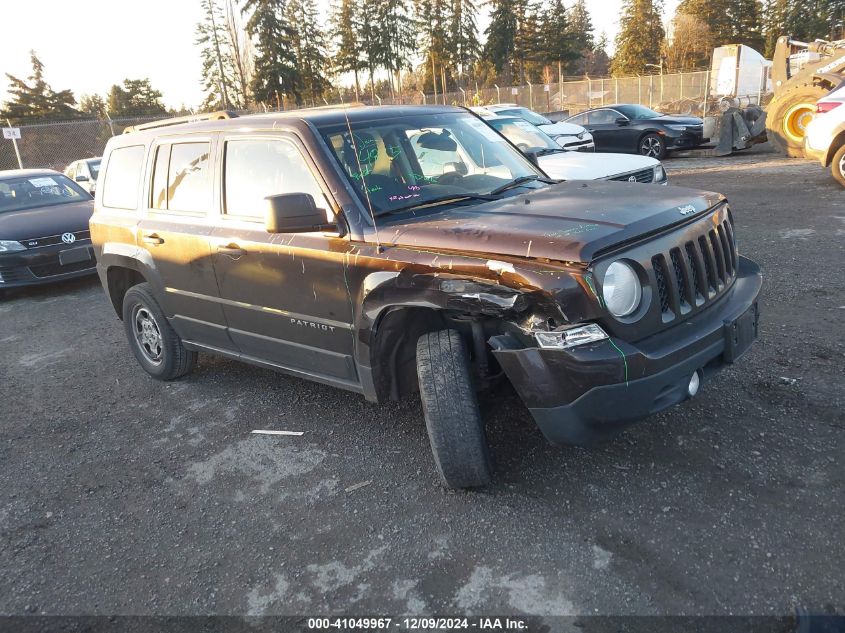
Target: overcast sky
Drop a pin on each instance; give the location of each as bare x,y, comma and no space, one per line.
89,46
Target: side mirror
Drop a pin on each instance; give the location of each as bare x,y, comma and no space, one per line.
294,213
622,121
532,156
81,178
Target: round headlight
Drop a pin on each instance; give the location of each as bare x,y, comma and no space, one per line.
621,289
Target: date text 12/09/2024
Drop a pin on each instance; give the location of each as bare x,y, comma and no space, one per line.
418,624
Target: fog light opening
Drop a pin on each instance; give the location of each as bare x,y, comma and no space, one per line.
694,383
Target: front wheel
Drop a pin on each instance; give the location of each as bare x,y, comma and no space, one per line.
653,146
156,346
452,418
788,118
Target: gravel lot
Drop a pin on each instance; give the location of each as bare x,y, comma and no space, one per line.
122,495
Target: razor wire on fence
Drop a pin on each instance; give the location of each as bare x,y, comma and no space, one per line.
57,144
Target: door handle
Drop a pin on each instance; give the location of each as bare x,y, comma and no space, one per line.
152,238
232,250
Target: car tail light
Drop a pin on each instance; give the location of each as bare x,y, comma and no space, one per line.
827,106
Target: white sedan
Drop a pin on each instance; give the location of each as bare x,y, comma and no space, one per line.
566,165
568,135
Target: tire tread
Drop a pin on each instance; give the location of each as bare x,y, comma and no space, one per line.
453,421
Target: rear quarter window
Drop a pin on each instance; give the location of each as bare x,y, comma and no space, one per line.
123,177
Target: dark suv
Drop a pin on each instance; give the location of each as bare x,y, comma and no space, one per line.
397,250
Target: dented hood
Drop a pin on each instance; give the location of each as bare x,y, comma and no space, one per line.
570,221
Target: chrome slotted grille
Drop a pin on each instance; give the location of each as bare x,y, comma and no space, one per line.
36,242
643,175
696,272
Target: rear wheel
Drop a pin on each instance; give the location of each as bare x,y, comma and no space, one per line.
837,167
653,146
788,118
452,418
154,343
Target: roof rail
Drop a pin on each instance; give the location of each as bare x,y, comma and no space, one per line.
334,106
190,118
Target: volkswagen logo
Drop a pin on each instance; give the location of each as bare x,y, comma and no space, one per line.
68,238
632,179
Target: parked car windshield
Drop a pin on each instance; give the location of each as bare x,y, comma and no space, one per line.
525,113
94,167
400,162
524,135
638,112
40,190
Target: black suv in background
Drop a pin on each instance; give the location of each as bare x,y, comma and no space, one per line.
397,250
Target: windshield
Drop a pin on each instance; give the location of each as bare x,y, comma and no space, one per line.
638,112
94,167
44,190
524,135
527,115
396,163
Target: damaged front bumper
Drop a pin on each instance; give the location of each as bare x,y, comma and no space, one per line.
579,395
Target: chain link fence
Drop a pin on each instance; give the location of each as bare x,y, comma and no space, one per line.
680,93
55,145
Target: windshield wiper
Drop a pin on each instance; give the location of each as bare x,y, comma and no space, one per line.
454,197
519,181
550,150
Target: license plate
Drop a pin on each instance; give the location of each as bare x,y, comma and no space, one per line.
75,255
740,334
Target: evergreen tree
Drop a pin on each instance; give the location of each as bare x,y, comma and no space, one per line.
597,61
136,97
395,39
275,72
434,18
368,30
581,27
501,36
527,43
834,12
463,35
729,21
591,58
803,20
33,100
775,23
747,23
217,63
557,42
640,38
93,106
309,47
348,50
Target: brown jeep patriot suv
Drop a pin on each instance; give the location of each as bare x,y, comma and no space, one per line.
396,250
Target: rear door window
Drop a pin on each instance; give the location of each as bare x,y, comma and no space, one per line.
123,177
182,178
